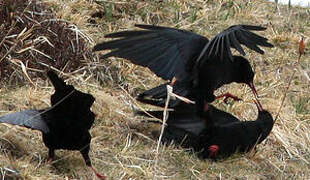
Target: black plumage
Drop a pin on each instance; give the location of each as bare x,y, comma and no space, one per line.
188,57
183,116
64,125
215,76
214,133
184,125
222,140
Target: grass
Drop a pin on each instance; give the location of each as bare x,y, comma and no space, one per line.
124,148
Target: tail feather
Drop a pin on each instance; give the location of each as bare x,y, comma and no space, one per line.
156,114
127,34
151,27
124,43
157,95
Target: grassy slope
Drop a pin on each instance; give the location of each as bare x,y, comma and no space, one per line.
121,145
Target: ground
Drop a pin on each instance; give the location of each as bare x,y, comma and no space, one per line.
122,146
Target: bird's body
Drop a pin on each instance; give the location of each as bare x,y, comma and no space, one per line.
183,117
222,140
185,56
64,125
214,133
185,121
215,75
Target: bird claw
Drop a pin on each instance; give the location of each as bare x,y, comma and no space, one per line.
50,160
235,98
99,175
206,107
228,95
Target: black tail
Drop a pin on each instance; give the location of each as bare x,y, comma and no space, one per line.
156,114
157,96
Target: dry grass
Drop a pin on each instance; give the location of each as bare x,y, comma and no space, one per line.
122,146
33,39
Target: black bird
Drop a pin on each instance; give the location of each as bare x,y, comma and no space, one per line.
222,140
184,125
183,116
238,71
186,58
65,125
214,133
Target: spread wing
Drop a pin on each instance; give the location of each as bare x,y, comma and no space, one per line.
30,118
168,52
234,37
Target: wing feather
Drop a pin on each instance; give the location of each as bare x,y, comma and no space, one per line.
30,118
165,51
233,37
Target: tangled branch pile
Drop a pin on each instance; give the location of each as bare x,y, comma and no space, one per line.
33,40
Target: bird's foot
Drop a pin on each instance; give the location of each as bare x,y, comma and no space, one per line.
228,95
173,81
206,107
99,175
50,160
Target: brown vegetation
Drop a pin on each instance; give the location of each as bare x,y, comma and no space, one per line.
122,146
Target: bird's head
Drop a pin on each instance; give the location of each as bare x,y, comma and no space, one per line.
244,73
266,120
262,113
67,96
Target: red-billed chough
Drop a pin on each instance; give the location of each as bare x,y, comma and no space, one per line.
238,71
214,133
185,56
184,124
64,125
222,140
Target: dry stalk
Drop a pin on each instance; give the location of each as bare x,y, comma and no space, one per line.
301,52
170,94
165,117
284,96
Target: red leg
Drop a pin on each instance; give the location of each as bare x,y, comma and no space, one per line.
50,160
84,153
51,156
228,95
99,175
174,79
206,107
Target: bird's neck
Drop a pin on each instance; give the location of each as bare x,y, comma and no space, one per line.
266,123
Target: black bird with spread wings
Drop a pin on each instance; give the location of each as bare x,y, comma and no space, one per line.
187,59
65,125
238,71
